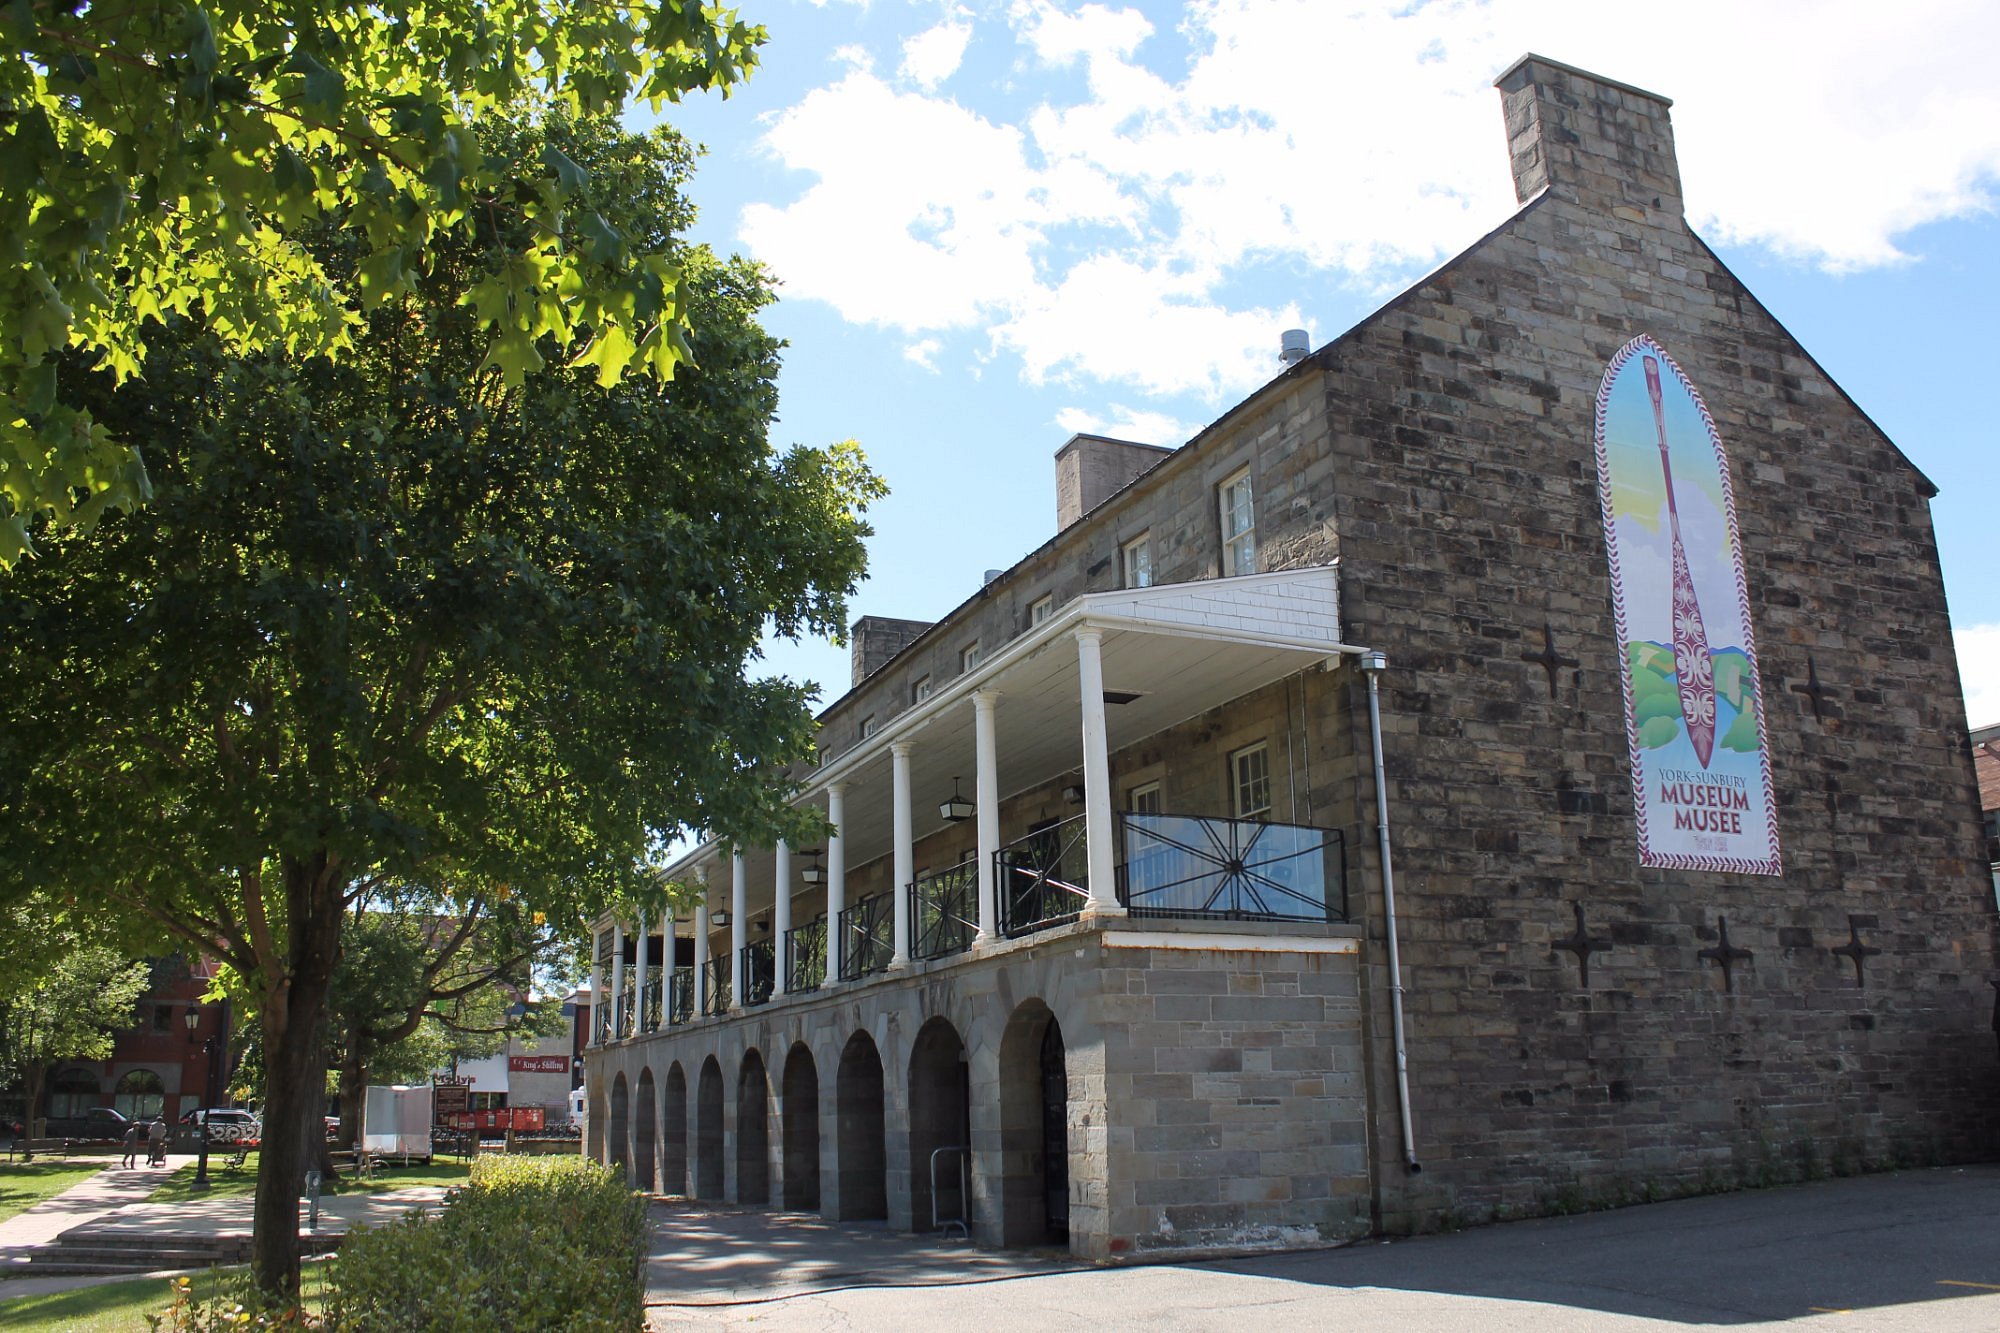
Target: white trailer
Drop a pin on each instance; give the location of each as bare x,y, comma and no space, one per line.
396,1122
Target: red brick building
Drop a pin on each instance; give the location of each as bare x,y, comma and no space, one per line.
159,1065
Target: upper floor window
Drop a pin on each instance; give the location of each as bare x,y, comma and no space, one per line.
1041,609
1136,556
1239,525
867,726
921,690
1144,799
970,656
1250,781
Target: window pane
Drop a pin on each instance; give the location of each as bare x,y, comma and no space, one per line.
971,657
1041,610
921,690
1239,521
1252,772
1145,800
1139,563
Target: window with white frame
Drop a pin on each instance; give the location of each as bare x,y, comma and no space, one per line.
1250,781
1136,558
970,656
1041,609
1239,524
867,726
1144,799
921,690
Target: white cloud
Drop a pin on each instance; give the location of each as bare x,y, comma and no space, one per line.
1101,224
923,352
1979,672
934,55
1121,422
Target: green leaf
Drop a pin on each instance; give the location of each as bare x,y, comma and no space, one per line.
200,39
325,88
569,176
38,387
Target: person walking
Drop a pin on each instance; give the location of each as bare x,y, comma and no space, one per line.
131,1143
156,1138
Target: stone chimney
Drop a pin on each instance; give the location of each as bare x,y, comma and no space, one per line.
1607,145
1090,469
874,640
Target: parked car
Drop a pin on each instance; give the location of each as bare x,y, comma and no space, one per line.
227,1124
99,1124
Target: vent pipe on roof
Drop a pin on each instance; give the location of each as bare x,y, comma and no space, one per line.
1294,345
992,574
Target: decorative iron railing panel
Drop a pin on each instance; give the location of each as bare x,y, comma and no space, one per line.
600,1025
680,996
649,1003
715,986
759,971
867,935
805,955
944,911
1231,869
1044,877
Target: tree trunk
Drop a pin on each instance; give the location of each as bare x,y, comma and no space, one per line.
353,1086
294,1076
33,1079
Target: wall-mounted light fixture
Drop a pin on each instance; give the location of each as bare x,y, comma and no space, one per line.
1073,794
718,920
956,810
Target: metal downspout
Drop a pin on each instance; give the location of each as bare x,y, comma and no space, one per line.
1372,665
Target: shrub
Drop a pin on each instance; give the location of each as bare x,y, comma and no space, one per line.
530,1243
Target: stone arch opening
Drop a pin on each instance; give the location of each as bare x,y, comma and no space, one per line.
860,1133
1034,1129
674,1142
621,1124
594,1123
753,1132
646,1135
801,1182
940,1124
708,1132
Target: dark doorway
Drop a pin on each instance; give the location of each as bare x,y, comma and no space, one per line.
674,1158
1034,1129
801,1130
708,1133
621,1125
862,1140
1055,1133
645,1135
753,1133
940,1125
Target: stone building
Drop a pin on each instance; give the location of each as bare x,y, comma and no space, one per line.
1663,828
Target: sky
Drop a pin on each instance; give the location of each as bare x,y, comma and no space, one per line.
996,224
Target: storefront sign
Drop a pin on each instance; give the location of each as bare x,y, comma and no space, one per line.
538,1064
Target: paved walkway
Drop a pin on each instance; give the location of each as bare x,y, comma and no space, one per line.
112,1203
704,1256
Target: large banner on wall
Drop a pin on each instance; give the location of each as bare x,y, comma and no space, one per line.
1701,770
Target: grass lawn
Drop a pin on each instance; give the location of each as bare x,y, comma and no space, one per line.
120,1307
179,1186
25,1184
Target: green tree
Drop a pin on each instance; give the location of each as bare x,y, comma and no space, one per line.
162,157
62,997
390,622
423,981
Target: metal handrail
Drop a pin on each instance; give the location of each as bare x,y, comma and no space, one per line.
944,911
715,986
963,1220
805,955
759,971
1201,866
1044,877
866,935
650,999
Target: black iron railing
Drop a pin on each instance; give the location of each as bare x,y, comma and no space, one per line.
759,971
944,911
622,1017
715,986
680,995
600,1024
866,935
1231,869
650,997
1044,877
805,955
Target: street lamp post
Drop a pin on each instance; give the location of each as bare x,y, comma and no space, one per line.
211,1049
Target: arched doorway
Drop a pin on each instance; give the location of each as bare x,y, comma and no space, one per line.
801,1129
708,1132
594,1126
645,1135
862,1143
940,1120
753,1133
621,1125
674,1157
1034,1129
140,1095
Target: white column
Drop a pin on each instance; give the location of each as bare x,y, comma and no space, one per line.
617,979
906,855
781,916
1096,774
739,902
987,762
701,933
667,969
836,876
639,982
596,982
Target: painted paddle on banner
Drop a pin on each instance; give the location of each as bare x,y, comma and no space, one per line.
1693,670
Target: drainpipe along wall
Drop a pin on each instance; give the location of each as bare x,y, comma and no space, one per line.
1372,665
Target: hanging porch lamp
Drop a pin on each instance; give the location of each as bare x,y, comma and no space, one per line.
956,810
